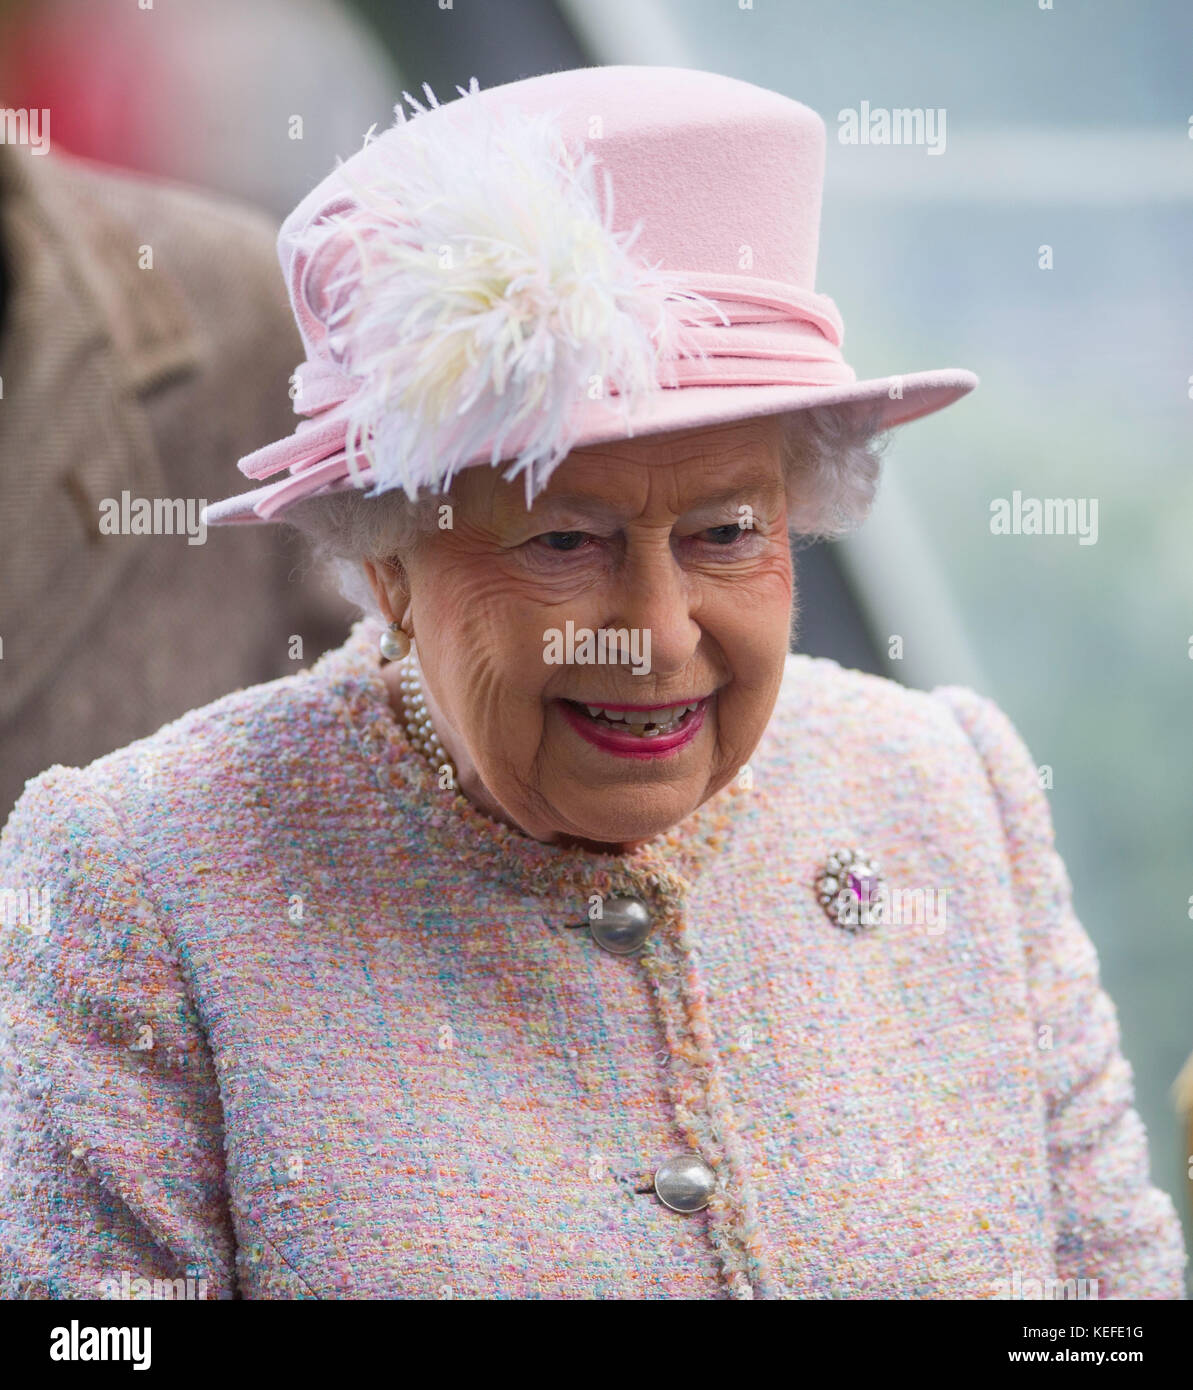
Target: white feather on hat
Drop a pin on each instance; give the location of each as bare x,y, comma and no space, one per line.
481,290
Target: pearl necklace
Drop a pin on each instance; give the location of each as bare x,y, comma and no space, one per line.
419,727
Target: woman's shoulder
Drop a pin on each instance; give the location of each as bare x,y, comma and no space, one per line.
832,714
821,693
259,734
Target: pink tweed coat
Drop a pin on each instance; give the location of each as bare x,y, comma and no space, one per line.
283,1019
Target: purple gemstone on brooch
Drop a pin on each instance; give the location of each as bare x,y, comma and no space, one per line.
851,889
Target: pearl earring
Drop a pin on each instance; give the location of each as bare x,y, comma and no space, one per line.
394,643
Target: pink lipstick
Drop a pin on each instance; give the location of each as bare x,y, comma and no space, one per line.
655,740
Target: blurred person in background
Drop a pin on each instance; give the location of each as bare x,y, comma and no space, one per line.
145,340
125,387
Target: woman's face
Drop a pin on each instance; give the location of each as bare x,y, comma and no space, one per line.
641,544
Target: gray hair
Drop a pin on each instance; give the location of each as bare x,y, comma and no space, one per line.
831,455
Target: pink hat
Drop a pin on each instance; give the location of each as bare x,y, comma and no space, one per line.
561,261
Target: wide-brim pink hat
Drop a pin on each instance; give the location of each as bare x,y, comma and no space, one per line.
566,260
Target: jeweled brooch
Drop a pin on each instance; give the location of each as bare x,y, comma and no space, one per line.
851,890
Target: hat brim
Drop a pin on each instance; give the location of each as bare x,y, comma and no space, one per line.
889,400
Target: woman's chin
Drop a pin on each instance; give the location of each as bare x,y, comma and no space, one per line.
611,797
616,818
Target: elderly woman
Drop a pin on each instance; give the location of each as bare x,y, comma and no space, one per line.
560,935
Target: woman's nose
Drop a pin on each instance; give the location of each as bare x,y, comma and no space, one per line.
655,597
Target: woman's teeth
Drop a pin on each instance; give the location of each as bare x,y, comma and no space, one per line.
646,723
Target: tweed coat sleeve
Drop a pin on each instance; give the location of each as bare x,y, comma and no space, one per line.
1110,1222
111,1137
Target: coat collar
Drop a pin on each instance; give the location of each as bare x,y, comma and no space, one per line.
666,867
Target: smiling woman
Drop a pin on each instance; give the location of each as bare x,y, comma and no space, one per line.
718,617
357,984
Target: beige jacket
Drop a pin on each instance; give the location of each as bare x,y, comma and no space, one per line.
120,379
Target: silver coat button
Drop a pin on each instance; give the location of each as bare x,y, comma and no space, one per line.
684,1183
623,927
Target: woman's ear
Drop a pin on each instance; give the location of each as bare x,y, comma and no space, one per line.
391,588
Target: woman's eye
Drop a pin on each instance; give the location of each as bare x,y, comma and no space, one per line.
725,535
563,540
